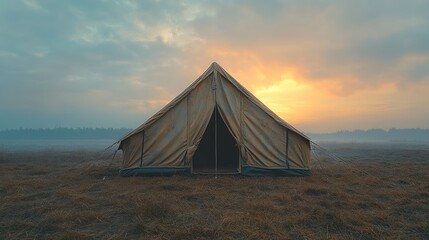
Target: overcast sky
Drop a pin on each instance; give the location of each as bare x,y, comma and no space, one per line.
321,65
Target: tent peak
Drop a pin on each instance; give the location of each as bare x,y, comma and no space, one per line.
215,66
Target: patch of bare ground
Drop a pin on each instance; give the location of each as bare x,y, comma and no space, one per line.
63,195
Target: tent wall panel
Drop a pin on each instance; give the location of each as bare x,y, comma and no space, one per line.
299,153
264,138
228,100
165,140
201,102
132,151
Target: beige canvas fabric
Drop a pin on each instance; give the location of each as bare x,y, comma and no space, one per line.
132,148
171,137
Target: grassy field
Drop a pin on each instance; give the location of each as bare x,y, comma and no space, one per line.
68,195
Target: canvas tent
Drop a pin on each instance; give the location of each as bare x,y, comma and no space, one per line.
215,126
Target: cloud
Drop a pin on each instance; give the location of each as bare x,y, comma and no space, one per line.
361,42
93,62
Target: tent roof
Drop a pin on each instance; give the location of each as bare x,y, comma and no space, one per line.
214,67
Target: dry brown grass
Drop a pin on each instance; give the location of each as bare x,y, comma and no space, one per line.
58,195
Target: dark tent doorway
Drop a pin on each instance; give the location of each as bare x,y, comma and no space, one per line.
217,151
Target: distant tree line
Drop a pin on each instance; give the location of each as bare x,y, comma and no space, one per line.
393,134
64,133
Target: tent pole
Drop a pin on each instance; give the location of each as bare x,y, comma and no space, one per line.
287,148
214,87
215,141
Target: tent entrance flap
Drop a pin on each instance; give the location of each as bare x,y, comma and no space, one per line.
216,137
